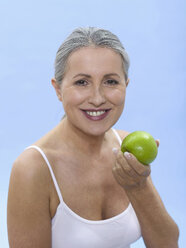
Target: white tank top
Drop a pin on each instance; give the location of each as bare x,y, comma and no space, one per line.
69,230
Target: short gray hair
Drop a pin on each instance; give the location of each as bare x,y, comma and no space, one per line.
85,37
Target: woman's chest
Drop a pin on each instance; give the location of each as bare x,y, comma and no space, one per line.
90,190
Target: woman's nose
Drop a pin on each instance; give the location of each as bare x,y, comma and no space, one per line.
97,96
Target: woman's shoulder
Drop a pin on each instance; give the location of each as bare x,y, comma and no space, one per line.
122,133
29,169
28,158
28,198
31,162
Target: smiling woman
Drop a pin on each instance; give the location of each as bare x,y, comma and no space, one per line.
88,37
69,189
95,98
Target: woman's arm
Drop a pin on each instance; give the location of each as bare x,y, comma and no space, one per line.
28,215
158,228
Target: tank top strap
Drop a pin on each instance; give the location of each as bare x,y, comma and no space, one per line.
50,169
117,136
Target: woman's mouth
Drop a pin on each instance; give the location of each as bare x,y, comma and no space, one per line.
96,115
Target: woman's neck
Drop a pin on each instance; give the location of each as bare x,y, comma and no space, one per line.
81,142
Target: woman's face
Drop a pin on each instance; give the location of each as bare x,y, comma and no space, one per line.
93,89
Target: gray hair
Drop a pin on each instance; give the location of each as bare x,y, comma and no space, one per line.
85,37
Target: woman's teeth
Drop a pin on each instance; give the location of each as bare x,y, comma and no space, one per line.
95,113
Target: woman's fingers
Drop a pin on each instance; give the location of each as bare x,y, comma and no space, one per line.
132,165
129,172
125,170
157,142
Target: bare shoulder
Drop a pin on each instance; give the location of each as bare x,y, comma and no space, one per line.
122,133
29,177
30,167
28,202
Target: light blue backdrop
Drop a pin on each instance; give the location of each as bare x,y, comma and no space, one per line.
154,34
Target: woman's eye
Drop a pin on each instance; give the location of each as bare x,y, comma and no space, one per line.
112,82
81,83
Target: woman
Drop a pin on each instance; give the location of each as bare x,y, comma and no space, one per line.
69,189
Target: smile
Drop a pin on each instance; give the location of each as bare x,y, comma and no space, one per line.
96,115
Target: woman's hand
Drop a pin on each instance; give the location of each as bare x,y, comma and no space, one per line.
157,227
129,172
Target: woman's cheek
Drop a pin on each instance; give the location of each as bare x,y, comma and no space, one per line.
73,96
117,97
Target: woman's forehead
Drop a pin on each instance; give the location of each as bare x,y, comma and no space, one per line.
94,59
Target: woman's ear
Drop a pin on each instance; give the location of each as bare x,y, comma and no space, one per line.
57,88
128,80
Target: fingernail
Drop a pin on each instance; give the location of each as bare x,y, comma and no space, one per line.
127,155
115,150
158,140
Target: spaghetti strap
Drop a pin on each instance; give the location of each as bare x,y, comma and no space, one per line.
50,169
117,136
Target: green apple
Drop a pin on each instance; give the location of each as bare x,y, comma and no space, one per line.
142,145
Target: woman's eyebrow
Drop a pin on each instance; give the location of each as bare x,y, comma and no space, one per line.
89,76
82,74
111,74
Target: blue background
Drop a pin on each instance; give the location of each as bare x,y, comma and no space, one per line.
154,34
